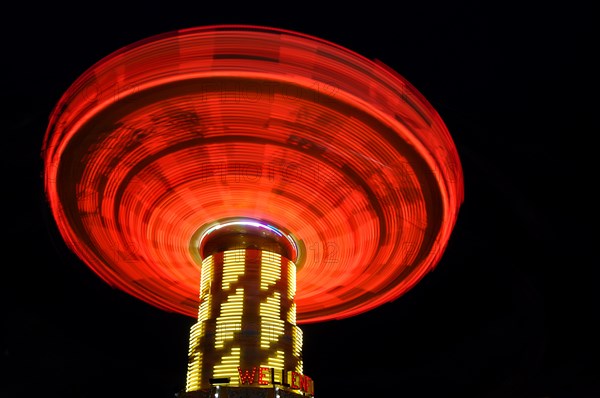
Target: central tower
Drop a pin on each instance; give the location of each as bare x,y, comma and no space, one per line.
246,333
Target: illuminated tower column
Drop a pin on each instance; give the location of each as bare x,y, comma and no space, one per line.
246,334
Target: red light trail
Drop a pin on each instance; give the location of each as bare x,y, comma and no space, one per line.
164,139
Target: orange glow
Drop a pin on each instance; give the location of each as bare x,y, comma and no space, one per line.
160,140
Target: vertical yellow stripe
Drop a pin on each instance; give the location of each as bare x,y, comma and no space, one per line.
270,269
233,266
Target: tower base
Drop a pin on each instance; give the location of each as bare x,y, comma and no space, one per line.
243,392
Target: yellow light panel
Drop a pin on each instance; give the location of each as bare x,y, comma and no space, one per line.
233,266
270,269
231,322
271,326
205,296
291,281
291,315
228,366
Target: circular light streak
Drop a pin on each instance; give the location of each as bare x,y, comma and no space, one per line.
171,134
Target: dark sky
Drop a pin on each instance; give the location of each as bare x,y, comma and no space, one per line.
510,311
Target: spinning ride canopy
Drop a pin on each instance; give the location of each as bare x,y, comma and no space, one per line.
177,135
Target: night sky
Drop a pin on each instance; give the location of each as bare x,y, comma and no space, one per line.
511,309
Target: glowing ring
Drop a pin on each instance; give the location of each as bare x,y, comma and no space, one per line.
183,129
283,238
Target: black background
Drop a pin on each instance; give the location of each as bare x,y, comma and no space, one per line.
509,312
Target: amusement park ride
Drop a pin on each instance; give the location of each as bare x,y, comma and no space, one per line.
256,179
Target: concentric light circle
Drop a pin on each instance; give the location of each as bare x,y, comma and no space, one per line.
172,134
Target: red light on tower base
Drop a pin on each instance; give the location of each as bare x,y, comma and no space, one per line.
247,162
